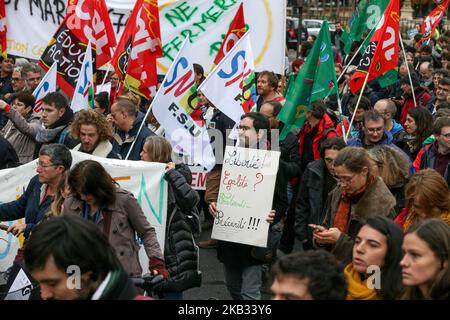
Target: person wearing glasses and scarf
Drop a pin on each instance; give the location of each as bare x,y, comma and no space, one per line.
358,196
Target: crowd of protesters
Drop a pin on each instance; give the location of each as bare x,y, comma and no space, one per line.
358,216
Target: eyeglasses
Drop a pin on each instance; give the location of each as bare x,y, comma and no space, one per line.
345,180
34,79
45,166
16,79
373,130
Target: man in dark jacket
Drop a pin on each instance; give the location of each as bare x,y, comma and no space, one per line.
437,155
56,119
128,121
8,157
317,181
54,160
68,246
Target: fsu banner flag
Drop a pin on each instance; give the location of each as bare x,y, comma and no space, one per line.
135,57
381,55
235,32
3,29
86,20
431,21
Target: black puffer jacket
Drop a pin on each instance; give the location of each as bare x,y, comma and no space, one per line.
180,251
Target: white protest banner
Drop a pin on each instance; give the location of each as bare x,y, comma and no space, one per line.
204,21
144,179
245,195
231,85
198,177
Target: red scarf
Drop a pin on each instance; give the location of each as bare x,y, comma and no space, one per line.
343,210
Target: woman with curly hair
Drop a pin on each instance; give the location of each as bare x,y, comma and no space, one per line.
427,196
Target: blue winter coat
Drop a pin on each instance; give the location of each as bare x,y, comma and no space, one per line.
27,206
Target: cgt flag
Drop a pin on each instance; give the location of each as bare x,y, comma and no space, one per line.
170,109
231,85
315,80
47,85
381,55
431,21
86,20
84,92
235,32
140,45
3,29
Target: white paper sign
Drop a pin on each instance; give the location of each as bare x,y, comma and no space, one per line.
144,179
245,198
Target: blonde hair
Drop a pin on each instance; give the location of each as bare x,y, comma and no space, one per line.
58,200
392,165
432,189
159,148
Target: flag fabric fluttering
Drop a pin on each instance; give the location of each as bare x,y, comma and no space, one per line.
83,97
169,107
431,21
235,32
84,21
47,85
3,29
140,45
381,55
366,16
231,85
315,80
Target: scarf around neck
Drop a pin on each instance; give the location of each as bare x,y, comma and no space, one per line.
357,287
343,210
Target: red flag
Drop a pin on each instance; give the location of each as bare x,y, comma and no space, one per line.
3,29
89,20
235,32
86,20
431,21
381,54
138,49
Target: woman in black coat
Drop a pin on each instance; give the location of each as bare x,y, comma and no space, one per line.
180,251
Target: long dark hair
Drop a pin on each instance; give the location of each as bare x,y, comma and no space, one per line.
391,272
424,122
436,233
89,177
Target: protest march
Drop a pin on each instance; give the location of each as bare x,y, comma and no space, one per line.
227,149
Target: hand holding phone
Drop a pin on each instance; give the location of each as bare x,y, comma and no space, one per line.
316,227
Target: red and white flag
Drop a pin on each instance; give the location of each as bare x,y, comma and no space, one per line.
140,45
381,54
431,21
235,32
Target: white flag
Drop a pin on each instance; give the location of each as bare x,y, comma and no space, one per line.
83,96
170,107
231,85
47,85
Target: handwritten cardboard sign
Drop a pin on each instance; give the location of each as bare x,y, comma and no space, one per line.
245,196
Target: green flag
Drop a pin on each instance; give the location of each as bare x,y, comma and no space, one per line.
315,79
289,84
366,16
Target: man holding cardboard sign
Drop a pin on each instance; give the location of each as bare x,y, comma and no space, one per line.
245,197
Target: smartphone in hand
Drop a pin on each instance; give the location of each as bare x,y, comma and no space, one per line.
316,227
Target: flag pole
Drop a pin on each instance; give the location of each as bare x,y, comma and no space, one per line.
346,67
357,105
104,78
341,116
407,68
